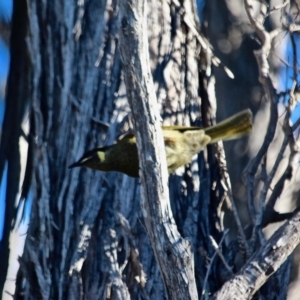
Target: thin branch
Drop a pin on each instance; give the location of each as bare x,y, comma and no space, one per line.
294,28
296,124
264,36
217,251
228,190
267,184
279,6
264,77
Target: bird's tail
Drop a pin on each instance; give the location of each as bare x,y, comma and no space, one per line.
234,127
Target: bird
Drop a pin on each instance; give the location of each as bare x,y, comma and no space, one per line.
181,144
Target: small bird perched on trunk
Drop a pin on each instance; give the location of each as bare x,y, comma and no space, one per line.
181,144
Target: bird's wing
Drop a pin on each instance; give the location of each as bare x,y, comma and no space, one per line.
169,134
180,128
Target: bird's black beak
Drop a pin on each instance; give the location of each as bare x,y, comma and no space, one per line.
77,164
82,162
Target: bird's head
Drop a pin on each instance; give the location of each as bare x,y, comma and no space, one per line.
93,159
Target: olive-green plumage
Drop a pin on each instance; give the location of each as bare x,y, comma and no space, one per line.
181,143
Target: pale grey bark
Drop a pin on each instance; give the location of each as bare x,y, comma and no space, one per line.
172,252
264,264
88,236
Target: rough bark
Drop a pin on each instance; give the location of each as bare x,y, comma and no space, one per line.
88,236
264,263
172,252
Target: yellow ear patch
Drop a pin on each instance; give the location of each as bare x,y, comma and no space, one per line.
101,155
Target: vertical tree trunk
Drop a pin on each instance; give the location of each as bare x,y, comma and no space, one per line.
78,101
87,237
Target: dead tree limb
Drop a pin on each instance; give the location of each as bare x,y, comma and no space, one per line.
264,263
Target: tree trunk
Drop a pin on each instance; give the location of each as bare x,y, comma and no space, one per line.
88,236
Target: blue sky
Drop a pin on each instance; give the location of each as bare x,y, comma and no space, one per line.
6,9
4,60
287,72
5,15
